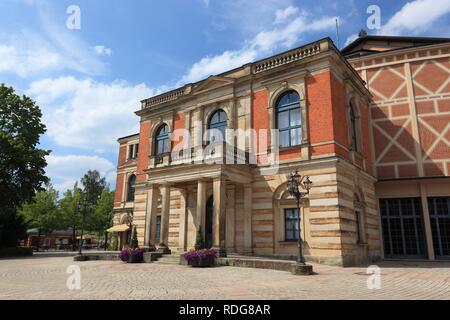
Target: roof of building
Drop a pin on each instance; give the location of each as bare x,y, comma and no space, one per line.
370,44
129,136
252,68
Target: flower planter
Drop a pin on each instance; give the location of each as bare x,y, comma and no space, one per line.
200,258
206,262
132,255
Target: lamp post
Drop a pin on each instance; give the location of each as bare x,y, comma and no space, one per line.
82,206
295,183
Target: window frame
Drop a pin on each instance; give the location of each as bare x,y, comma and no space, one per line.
353,128
130,188
158,227
295,220
289,108
211,127
161,138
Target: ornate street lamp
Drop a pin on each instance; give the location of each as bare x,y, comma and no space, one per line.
295,183
82,207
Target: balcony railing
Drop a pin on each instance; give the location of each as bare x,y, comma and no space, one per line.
215,153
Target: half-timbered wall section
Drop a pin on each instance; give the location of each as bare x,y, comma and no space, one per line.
409,79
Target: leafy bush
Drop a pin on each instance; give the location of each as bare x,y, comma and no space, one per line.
199,255
130,255
16,252
199,242
134,240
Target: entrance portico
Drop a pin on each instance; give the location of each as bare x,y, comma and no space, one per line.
195,186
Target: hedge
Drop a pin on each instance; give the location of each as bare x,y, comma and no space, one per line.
16,252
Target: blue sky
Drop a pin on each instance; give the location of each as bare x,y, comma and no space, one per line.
89,82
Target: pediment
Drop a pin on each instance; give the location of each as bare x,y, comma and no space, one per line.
212,82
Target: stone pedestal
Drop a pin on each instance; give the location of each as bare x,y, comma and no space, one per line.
302,270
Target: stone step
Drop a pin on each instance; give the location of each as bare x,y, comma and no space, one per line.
169,259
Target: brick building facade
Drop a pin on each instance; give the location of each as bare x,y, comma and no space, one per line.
214,155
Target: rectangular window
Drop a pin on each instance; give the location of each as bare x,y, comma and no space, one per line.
402,225
158,228
291,224
136,150
130,151
440,225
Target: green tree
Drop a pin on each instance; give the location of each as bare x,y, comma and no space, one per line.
93,186
70,211
22,163
101,217
42,212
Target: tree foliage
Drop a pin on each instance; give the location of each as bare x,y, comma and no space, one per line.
93,186
101,217
42,212
22,163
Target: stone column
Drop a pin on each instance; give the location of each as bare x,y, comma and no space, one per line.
150,216
183,219
219,220
165,210
231,218
201,207
248,243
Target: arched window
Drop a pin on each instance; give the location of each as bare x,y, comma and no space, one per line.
289,120
353,136
162,140
217,125
130,187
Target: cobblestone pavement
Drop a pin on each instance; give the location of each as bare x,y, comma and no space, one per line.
45,278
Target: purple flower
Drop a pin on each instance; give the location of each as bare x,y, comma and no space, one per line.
132,255
198,255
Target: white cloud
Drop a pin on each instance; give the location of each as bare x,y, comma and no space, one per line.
282,14
23,61
415,16
66,170
47,47
87,114
102,50
265,42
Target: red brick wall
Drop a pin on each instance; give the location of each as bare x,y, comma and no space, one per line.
319,110
144,150
260,119
122,155
178,123
339,100
120,161
119,189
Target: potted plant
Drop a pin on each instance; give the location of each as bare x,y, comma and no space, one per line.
132,254
200,257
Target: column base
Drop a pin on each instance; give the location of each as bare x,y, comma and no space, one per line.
302,269
222,253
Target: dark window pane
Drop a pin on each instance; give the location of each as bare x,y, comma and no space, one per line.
158,228
402,223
